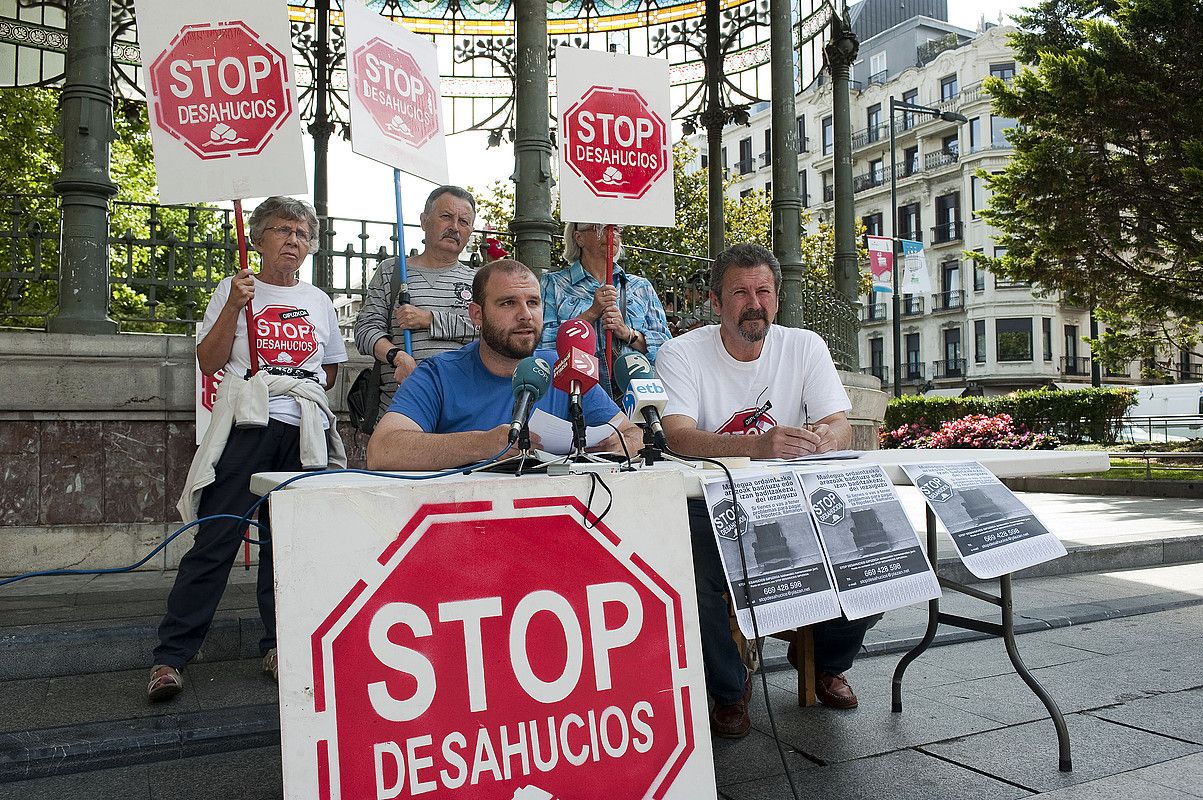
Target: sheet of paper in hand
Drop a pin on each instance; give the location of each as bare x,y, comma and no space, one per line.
992,529
874,552
787,579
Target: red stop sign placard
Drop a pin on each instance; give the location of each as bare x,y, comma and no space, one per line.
479,667
220,89
393,89
615,142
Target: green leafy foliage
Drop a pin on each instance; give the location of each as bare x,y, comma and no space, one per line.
1103,199
1076,415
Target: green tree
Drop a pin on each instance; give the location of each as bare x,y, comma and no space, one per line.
1103,199
169,279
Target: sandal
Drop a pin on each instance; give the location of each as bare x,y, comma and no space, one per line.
165,683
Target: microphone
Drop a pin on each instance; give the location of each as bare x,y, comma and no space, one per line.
645,395
531,379
576,345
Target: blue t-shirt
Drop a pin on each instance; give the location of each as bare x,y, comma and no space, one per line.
453,392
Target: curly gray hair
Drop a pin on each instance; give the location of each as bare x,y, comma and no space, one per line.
572,250
283,208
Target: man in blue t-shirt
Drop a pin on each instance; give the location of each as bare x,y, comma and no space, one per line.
455,408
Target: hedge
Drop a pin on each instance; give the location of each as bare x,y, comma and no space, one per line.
1075,415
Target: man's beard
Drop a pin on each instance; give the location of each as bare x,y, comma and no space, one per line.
506,344
752,333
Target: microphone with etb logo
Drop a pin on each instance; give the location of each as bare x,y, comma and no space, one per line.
531,379
645,396
576,372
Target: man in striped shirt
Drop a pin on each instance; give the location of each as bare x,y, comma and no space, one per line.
440,288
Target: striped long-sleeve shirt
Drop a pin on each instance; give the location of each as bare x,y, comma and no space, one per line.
445,293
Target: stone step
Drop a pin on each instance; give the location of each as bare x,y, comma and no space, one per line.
109,622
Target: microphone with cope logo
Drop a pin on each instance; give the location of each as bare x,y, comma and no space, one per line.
576,371
645,396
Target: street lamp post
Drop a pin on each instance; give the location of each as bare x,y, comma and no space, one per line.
947,116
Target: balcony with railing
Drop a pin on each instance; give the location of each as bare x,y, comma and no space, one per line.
744,166
948,368
952,300
948,232
1075,365
879,371
912,372
766,159
1183,373
914,236
828,194
912,306
939,160
874,312
879,77
870,180
870,135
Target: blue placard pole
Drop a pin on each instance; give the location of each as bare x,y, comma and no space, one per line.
402,275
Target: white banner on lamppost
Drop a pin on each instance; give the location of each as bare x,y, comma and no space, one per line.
615,138
222,101
396,108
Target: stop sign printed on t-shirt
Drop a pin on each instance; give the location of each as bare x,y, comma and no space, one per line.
284,338
750,420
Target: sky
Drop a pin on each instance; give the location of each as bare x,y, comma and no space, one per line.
362,189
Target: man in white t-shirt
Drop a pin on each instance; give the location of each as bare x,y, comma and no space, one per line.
747,387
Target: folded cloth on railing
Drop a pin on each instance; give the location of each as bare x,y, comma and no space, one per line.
243,403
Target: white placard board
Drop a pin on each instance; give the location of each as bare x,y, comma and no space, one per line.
435,637
222,100
615,136
396,105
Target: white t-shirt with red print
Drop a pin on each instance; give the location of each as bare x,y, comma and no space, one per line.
296,332
792,382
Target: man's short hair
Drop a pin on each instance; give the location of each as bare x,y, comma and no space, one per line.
480,280
454,191
283,208
744,256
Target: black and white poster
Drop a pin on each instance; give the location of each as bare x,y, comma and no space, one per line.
877,561
993,531
787,579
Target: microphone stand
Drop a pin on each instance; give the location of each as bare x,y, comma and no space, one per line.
651,452
576,416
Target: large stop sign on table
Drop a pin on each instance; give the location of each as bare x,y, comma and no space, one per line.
496,647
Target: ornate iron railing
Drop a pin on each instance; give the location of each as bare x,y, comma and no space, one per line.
164,262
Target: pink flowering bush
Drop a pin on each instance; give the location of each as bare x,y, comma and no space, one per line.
974,431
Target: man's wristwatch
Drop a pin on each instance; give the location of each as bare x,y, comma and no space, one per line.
391,356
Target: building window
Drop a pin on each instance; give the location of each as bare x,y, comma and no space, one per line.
951,144
872,224
950,276
746,193
768,189
873,122
998,130
723,153
948,87
1014,338
975,134
914,366
977,195
877,173
1046,336
877,358
948,217
802,193
910,160
877,68
979,341
1005,72
908,117
908,222
745,156
828,136
801,134
979,273
766,158
704,161
1071,342
828,189
952,354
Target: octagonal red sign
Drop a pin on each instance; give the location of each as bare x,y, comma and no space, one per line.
402,102
615,142
479,667
220,89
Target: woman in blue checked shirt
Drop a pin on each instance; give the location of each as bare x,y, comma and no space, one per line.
629,308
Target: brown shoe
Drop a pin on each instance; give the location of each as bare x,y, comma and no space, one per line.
733,721
833,691
271,665
165,683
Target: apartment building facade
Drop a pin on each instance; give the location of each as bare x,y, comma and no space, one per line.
975,332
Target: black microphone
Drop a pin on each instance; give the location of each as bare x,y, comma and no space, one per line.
531,379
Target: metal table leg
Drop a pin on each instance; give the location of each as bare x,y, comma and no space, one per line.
933,622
